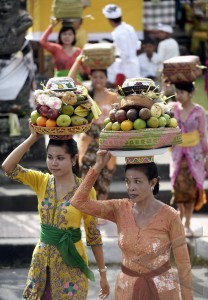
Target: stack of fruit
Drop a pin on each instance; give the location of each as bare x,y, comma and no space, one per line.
136,118
62,105
142,120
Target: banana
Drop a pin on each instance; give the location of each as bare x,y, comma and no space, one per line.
81,111
94,108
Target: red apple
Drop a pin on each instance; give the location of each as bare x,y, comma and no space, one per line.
38,107
112,115
43,110
120,115
53,113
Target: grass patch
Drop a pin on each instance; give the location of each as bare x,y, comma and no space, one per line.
200,95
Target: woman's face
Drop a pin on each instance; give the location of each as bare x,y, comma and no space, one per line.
67,37
58,161
98,79
182,96
137,185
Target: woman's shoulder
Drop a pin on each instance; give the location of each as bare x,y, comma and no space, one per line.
199,108
169,211
112,96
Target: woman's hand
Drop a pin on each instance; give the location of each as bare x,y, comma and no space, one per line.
53,22
103,157
104,287
34,134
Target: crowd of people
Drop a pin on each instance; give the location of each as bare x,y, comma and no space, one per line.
77,185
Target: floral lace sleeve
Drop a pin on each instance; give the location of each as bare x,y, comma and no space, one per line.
181,255
101,209
93,236
31,178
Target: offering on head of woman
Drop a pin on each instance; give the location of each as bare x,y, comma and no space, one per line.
141,121
63,108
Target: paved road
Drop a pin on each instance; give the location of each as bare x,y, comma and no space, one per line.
12,283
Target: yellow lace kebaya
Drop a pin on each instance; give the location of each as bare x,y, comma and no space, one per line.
67,282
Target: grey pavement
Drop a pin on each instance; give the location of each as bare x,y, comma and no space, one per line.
20,228
12,282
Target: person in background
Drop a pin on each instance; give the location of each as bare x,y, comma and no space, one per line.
148,230
148,60
81,33
64,52
189,160
167,46
126,43
59,267
89,141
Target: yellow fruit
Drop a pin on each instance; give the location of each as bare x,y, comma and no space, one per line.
127,125
81,111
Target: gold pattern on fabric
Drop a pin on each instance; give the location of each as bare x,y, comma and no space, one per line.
66,282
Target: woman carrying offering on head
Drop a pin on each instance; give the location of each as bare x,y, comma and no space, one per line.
189,160
89,141
59,267
147,232
64,52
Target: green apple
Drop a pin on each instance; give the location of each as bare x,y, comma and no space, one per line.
67,110
162,121
173,123
139,124
108,127
167,118
34,115
153,122
63,120
116,126
106,121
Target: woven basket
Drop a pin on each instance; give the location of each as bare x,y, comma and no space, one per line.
132,101
67,9
61,130
182,68
99,55
150,138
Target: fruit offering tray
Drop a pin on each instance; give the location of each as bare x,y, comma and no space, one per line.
149,138
63,108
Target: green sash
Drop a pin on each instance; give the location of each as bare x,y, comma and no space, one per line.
64,73
64,241
61,73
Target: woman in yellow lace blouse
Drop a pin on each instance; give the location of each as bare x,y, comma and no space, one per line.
59,267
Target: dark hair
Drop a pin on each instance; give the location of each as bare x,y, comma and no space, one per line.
186,86
101,70
66,28
148,40
116,20
70,147
150,170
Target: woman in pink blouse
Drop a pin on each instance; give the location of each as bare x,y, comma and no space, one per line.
147,232
189,161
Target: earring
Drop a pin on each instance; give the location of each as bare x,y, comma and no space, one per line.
152,188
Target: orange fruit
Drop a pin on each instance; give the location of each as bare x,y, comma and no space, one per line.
50,123
127,125
41,121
